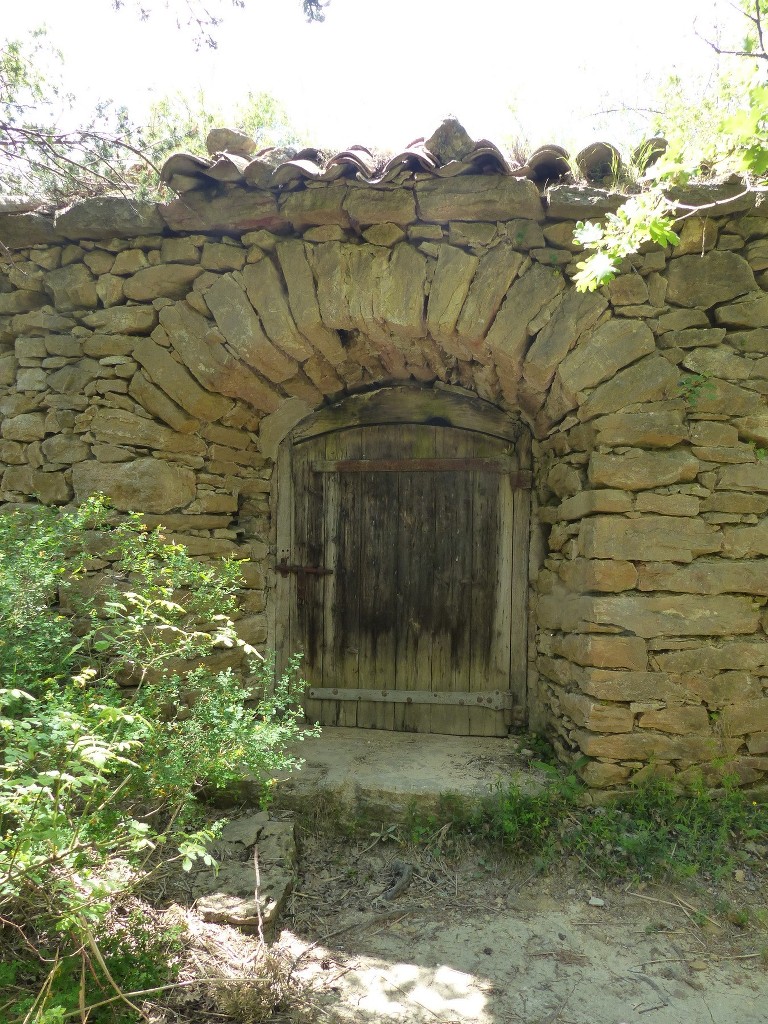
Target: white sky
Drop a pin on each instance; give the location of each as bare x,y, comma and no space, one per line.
382,72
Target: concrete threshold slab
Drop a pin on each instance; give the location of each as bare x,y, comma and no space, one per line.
386,773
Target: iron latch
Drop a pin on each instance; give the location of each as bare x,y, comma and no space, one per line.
301,570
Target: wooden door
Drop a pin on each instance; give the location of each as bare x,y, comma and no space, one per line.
405,568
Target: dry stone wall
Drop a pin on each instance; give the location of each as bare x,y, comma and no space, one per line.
159,354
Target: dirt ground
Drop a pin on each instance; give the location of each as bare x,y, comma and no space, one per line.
472,938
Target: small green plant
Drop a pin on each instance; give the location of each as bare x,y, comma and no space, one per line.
652,830
695,386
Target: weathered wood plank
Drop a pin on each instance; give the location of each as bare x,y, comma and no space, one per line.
484,542
451,574
378,590
347,569
327,711
282,635
308,549
415,559
501,464
411,404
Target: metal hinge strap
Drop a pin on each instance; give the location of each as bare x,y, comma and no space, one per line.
495,699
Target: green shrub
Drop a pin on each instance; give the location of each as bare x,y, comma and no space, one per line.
91,783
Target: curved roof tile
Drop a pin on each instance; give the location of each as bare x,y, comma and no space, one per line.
449,152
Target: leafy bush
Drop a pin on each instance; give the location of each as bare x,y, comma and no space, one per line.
92,783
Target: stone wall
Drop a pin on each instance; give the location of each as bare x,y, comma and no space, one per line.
160,353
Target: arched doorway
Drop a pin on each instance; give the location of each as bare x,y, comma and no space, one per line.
402,553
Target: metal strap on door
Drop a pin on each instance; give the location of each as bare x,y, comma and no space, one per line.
521,478
496,699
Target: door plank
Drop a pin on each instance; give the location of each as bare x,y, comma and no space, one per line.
378,590
308,549
415,555
347,569
451,575
284,637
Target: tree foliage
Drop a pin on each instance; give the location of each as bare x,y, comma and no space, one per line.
40,161
203,17
728,133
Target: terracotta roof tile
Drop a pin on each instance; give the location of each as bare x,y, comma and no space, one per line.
448,152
